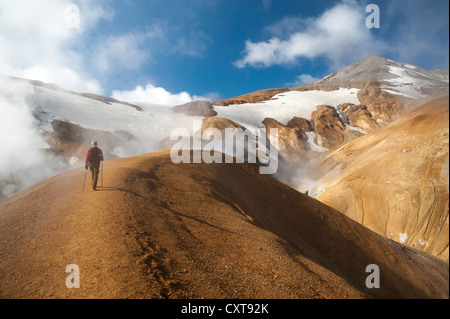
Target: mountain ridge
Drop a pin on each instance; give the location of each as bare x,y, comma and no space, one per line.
373,68
396,179
211,236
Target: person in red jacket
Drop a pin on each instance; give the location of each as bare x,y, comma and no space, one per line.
93,158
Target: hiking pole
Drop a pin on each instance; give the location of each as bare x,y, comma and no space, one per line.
102,174
85,172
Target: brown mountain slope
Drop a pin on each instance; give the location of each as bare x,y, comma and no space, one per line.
160,230
395,181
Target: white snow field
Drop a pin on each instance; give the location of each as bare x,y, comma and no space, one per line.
283,107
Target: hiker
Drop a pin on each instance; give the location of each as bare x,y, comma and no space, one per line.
93,158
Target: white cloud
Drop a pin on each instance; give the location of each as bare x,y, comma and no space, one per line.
339,35
193,44
303,79
286,26
64,77
155,95
36,41
126,51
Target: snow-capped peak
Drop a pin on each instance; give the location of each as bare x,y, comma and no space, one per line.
394,77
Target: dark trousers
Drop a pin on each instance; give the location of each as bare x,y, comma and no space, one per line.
94,170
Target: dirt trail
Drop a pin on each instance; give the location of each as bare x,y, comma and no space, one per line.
160,230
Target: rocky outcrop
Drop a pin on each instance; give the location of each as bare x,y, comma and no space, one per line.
70,140
359,116
395,180
220,123
215,122
303,124
291,139
383,106
196,108
331,132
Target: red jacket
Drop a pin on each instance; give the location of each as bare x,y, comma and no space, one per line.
91,160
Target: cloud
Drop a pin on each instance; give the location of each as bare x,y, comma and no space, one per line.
303,79
194,44
412,31
155,95
287,26
339,34
62,76
39,41
126,51
36,41
182,38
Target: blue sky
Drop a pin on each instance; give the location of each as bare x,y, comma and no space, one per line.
173,51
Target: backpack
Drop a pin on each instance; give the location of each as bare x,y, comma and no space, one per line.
94,156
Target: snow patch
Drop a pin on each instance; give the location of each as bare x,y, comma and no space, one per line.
312,142
403,237
354,128
283,107
408,82
421,243
409,66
